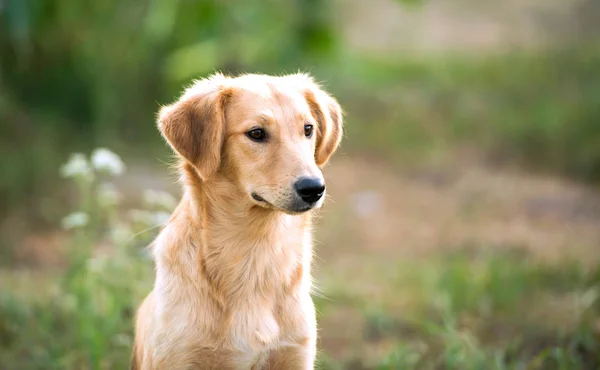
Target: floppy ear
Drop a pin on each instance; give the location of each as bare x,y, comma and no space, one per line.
328,114
194,126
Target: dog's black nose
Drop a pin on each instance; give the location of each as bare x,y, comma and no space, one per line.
310,189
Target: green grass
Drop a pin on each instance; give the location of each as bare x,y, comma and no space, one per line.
540,109
472,308
488,310
460,311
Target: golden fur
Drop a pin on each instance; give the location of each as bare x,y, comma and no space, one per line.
233,281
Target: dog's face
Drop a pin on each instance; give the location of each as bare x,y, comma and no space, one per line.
268,135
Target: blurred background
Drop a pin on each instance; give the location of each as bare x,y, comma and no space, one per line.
463,229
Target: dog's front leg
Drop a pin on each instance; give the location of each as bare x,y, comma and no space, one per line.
298,357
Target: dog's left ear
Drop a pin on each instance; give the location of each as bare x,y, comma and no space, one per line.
328,114
194,125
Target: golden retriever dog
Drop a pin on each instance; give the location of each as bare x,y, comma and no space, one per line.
233,281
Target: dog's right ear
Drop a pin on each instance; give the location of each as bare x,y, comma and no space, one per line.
194,125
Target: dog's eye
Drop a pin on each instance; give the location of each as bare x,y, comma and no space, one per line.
308,130
257,134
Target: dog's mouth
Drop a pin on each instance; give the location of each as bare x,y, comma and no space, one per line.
258,198
294,209
262,201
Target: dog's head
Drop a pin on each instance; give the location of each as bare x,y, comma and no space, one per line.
270,136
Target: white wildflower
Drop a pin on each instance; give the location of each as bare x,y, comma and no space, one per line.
108,195
159,198
105,160
75,220
76,166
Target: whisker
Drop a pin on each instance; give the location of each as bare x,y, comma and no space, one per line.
144,231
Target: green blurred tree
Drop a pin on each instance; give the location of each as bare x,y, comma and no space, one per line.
76,74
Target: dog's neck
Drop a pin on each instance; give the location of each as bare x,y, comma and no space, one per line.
268,250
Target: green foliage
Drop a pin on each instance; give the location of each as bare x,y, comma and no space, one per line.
488,310
77,75
472,309
538,109
85,319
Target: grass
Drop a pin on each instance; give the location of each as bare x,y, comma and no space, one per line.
489,310
539,109
472,308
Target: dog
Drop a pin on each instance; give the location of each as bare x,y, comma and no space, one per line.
233,281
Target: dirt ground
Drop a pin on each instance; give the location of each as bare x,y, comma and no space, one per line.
416,212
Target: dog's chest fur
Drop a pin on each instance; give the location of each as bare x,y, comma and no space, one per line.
252,295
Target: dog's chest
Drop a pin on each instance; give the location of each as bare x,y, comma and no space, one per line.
255,334
251,337
253,330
